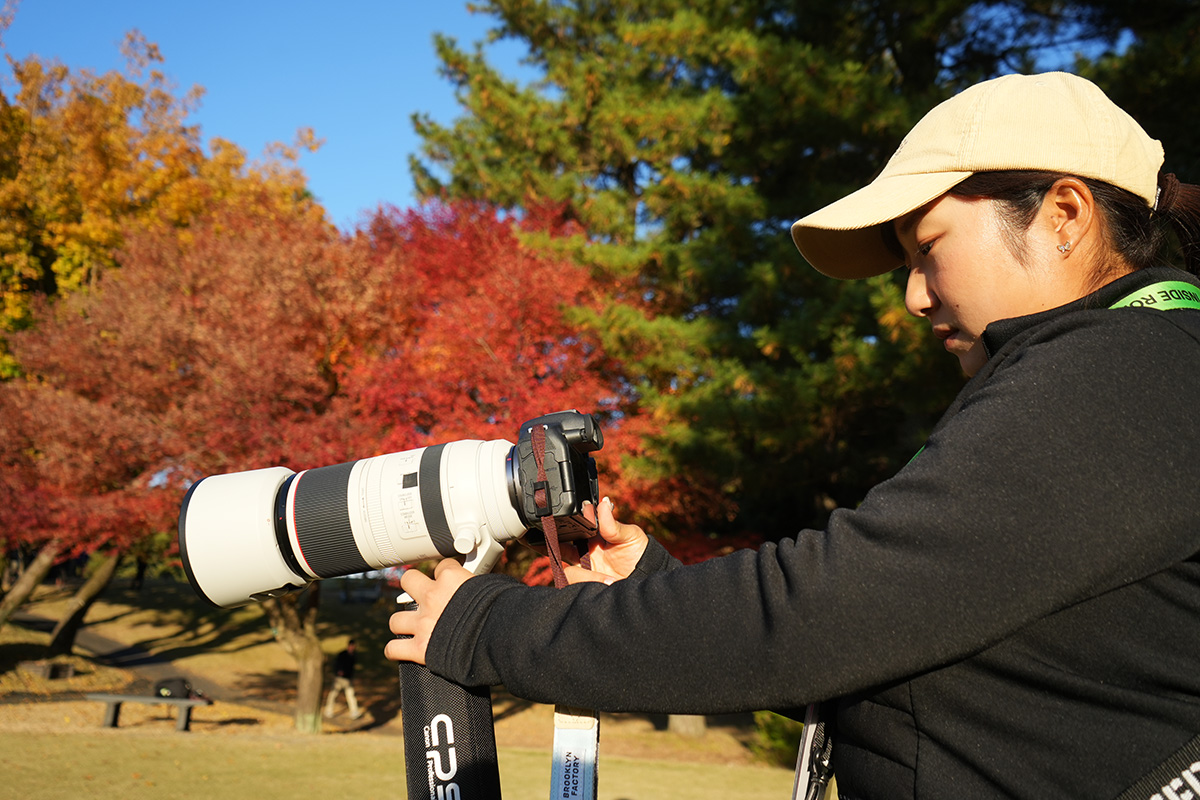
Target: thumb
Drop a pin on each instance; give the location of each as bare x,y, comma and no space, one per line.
613,531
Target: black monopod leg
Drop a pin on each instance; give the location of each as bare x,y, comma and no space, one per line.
449,736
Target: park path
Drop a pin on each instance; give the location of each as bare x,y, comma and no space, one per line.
147,668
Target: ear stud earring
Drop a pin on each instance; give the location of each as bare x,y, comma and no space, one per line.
1065,247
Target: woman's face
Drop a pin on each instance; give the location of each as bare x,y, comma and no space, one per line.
963,274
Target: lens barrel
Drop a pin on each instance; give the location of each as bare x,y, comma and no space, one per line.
320,518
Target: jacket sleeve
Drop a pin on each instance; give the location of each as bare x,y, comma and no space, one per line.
1047,484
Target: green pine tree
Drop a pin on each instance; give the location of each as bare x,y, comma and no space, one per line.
683,139
1158,76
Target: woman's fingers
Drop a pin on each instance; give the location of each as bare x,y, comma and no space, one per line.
432,595
616,551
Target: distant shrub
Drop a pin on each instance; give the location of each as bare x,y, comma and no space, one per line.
777,738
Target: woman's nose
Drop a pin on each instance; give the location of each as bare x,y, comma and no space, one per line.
918,298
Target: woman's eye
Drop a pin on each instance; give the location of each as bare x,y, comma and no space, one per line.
925,248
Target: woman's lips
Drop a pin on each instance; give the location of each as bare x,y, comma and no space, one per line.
944,331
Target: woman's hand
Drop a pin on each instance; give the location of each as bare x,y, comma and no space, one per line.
614,553
432,596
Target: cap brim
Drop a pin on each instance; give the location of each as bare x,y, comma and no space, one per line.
844,240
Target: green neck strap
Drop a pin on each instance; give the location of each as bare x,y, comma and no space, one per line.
1163,296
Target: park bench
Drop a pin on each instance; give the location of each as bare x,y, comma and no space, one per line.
184,706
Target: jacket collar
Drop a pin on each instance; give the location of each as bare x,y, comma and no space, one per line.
1002,331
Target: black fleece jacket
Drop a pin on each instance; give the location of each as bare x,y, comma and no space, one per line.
1016,614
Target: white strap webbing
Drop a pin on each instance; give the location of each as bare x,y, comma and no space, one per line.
573,771
804,774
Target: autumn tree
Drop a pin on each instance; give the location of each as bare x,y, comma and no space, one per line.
480,342
683,140
77,453
202,356
263,340
486,340
25,505
258,313
85,158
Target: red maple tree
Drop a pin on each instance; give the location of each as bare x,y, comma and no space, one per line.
259,340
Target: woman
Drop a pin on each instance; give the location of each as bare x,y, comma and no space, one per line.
1016,613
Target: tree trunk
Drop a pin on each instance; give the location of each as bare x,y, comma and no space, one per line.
139,577
33,576
62,639
294,622
693,727
309,682
3,568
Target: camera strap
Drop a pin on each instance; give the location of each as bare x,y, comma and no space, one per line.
449,734
813,761
1163,296
575,762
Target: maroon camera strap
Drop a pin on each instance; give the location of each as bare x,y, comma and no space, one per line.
549,525
574,770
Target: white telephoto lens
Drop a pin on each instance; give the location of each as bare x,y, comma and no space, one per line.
250,535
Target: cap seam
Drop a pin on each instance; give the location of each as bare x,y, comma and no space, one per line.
968,142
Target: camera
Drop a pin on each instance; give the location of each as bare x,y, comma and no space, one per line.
246,536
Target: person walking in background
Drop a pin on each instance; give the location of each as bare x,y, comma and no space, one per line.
343,677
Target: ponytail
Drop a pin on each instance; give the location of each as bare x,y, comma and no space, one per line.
1179,204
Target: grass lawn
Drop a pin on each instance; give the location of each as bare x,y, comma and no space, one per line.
52,746
133,764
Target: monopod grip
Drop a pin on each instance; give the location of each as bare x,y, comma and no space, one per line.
449,736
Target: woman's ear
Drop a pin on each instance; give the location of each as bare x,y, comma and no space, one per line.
1069,216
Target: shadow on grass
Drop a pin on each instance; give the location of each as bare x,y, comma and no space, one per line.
14,653
232,639
277,686
381,711
206,629
31,646
92,620
201,628
245,722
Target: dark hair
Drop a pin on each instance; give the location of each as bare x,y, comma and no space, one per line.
1131,225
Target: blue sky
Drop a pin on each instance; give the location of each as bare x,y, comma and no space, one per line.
353,71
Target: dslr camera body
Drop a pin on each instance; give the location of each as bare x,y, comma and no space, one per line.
246,536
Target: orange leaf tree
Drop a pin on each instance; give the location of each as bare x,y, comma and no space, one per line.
273,339
85,158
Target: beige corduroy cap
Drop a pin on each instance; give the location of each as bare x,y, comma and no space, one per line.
1054,122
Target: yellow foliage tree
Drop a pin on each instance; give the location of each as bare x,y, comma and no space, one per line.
86,158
